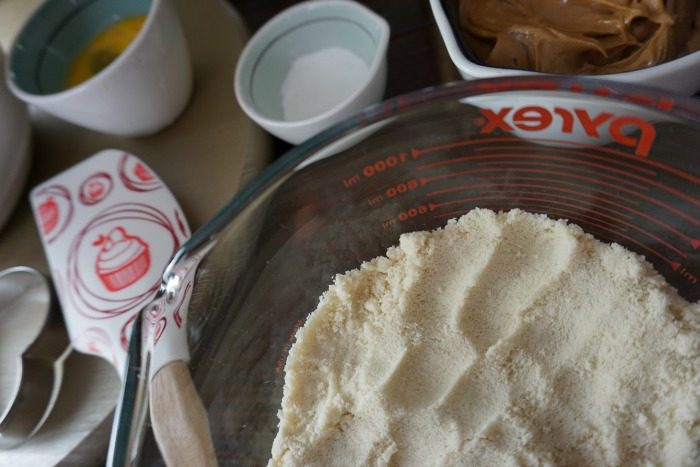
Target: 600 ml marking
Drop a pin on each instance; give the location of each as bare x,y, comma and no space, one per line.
402,188
393,191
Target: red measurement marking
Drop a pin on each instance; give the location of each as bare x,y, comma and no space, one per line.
573,152
524,155
673,264
457,144
639,213
612,203
566,213
694,243
536,193
350,181
626,224
479,142
689,276
665,104
659,185
425,180
596,173
388,224
533,185
639,99
401,188
532,156
434,206
382,165
375,200
414,212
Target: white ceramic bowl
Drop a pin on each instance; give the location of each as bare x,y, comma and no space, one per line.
142,91
286,84
681,75
15,139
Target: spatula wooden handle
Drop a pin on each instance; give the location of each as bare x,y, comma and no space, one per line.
179,419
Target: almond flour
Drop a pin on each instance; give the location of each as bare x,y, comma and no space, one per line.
500,339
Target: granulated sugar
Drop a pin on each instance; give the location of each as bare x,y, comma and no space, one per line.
501,339
316,82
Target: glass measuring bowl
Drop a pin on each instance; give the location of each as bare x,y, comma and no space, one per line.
619,161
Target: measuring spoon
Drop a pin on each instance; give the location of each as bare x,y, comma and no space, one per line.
26,291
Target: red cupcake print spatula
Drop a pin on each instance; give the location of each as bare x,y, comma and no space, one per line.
109,227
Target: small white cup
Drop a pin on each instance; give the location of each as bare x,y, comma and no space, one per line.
142,91
306,30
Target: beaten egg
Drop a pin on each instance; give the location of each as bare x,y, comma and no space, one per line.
103,49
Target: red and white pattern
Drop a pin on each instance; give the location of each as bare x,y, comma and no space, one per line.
137,176
108,251
53,209
95,188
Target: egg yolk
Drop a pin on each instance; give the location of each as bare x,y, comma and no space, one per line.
103,49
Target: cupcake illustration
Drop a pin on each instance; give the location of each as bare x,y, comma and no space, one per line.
122,260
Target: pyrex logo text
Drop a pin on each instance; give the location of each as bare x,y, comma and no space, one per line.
537,118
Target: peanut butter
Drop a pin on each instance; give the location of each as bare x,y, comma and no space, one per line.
578,36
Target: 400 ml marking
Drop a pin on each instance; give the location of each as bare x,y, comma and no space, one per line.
377,167
689,276
413,212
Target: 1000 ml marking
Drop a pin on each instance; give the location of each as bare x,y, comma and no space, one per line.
377,167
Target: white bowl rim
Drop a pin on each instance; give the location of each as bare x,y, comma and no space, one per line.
484,71
94,80
262,35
